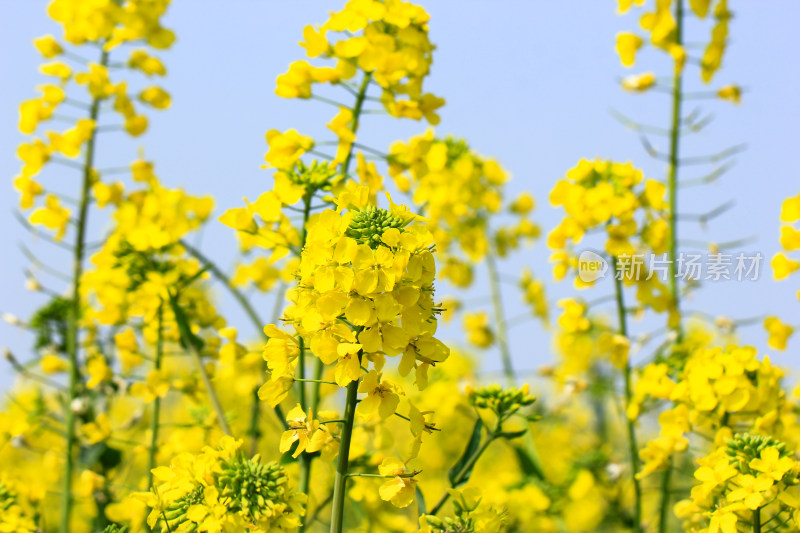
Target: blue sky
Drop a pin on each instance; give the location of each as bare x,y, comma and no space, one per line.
530,83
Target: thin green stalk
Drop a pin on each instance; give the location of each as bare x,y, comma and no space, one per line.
357,108
305,464
337,505
154,423
468,466
663,515
251,313
319,368
305,459
633,446
74,314
499,318
672,185
757,521
225,280
301,362
212,394
255,411
301,371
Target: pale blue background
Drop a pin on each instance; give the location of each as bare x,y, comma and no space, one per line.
530,83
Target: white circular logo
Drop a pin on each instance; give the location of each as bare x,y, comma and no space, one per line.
591,266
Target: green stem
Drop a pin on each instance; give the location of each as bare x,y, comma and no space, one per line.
305,459
74,314
663,515
301,362
319,368
757,521
225,280
304,482
255,413
499,318
362,93
672,185
468,466
212,394
154,423
300,382
633,446
305,464
337,506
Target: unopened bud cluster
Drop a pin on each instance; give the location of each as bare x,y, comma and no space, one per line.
504,402
744,447
449,524
114,528
175,514
315,176
252,488
369,224
225,489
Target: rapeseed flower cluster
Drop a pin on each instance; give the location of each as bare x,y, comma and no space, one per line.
220,490
461,192
389,40
749,480
610,196
718,391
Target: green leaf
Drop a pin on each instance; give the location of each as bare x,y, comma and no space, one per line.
101,454
512,434
471,449
421,507
528,465
187,338
50,323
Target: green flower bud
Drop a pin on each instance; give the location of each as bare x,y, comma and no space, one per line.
251,488
368,225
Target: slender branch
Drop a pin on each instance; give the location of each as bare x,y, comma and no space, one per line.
459,477
366,148
37,264
222,277
324,382
499,318
406,475
40,234
632,445
67,162
212,393
708,178
257,323
713,158
703,218
154,423
23,371
328,101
